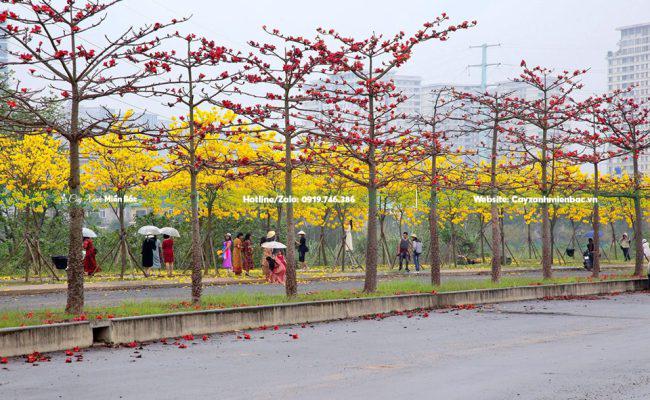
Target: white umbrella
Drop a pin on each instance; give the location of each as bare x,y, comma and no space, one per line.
173,232
149,230
273,245
85,232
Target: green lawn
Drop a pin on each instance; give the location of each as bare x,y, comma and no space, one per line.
242,299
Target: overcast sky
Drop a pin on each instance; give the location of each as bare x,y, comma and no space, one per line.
554,33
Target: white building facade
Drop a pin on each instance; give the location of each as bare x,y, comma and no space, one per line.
628,67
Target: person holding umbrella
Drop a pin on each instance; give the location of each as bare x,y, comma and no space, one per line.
149,246
168,248
148,249
168,254
275,261
267,253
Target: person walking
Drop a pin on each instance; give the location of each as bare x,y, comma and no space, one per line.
157,252
302,249
227,252
266,254
168,254
417,250
625,246
90,260
403,251
247,254
237,254
148,247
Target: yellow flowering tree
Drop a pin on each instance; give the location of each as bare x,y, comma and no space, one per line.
33,175
117,167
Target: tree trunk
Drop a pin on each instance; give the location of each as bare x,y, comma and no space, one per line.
434,251
123,243
75,301
481,236
595,272
638,216
530,241
197,259
452,228
496,242
370,284
291,286
208,233
494,211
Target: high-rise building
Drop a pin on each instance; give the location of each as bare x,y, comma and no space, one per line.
4,55
478,142
629,67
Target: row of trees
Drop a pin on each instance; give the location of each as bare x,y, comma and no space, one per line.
320,106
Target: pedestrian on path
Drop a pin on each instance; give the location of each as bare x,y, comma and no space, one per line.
148,246
247,254
237,254
157,252
90,260
266,253
404,251
625,246
417,250
302,249
226,252
168,254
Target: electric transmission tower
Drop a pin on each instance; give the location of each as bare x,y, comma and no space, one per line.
484,64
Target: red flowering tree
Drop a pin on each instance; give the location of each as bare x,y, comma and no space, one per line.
360,117
592,148
436,128
47,42
625,123
199,78
278,71
489,114
540,134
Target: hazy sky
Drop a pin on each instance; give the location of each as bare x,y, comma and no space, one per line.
555,33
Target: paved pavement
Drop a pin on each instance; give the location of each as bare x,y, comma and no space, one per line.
578,349
113,297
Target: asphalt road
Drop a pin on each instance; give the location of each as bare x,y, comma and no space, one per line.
97,298
579,349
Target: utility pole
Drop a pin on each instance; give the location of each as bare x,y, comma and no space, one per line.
484,64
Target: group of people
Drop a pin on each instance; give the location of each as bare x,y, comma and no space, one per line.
156,253
408,249
237,255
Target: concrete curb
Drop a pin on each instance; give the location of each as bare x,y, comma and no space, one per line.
61,288
19,341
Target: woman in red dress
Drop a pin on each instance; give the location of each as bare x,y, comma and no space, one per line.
279,273
168,254
90,262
